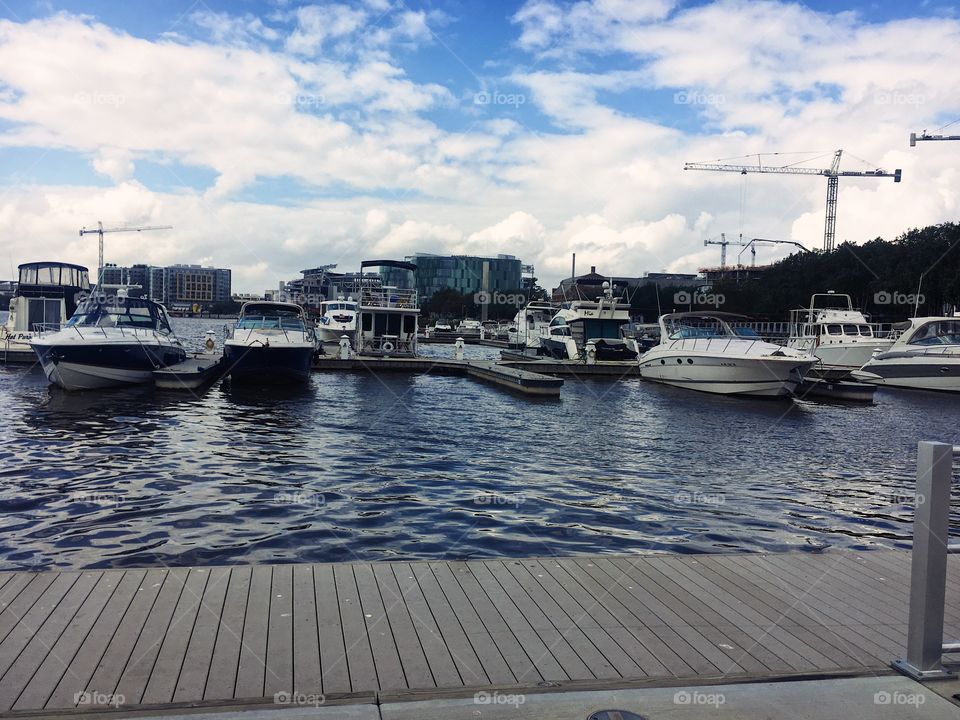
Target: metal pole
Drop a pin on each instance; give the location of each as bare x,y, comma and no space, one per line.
928,573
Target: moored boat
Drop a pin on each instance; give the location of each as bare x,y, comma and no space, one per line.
925,357
271,341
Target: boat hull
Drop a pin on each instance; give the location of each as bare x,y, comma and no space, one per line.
92,366
848,357
924,372
328,334
753,376
256,363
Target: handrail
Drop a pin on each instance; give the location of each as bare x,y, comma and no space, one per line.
928,571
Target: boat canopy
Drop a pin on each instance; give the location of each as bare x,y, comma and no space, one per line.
55,274
120,312
943,331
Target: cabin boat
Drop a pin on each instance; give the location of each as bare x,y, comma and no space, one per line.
271,341
925,357
701,351
110,340
530,324
841,337
580,322
388,309
47,296
337,318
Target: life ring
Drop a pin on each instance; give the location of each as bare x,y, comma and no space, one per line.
210,344
387,346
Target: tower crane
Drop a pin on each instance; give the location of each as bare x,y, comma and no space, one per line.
723,242
753,248
100,230
914,138
833,174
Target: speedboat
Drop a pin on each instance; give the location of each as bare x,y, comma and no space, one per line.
598,322
841,337
271,341
701,351
926,357
337,318
47,296
110,340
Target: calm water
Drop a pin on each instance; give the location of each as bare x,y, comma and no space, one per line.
356,466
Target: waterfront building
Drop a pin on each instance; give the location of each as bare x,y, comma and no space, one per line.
467,274
590,285
182,288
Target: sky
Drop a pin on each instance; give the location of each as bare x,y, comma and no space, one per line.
277,136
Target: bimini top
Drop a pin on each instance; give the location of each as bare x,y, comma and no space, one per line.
54,273
388,263
120,312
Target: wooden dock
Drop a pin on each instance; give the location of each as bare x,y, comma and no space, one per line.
351,632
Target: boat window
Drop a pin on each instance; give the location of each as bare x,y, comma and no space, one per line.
409,324
270,322
125,312
866,330
946,332
834,330
366,320
850,330
558,321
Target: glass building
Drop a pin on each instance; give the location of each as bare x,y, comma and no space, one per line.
465,273
186,288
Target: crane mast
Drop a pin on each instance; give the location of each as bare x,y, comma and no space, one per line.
100,230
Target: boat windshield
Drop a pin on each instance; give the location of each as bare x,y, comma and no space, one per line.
944,332
279,321
686,332
120,312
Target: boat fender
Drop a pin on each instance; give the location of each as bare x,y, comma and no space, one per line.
387,346
210,344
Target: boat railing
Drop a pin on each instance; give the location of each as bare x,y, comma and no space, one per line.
928,571
388,298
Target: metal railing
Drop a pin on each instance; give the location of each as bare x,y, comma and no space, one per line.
928,572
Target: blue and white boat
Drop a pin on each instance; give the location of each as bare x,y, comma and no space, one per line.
110,340
271,341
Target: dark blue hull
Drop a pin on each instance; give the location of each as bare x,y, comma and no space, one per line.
87,367
268,364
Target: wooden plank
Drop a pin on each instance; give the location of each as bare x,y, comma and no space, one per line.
15,584
29,624
450,595
251,667
390,672
60,656
594,618
20,602
363,672
482,613
441,634
578,663
222,678
139,667
123,642
40,639
83,664
335,675
279,671
416,669
197,660
306,638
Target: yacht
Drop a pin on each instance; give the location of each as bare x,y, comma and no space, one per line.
337,318
47,295
271,341
388,309
842,338
110,340
579,322
530,324
469,328
701,351
926,357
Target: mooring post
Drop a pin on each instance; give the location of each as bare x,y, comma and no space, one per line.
928,572
344,347
458,349
590,353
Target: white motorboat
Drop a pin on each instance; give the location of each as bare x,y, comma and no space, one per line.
701,351
925,357
337,318
469,328
47,296
584,321
271,341
842,338
389,313
110,340
530,324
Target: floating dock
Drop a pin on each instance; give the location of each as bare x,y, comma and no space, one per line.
197,371
224,637
576,368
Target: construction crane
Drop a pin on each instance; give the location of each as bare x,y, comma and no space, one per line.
914,138
100,230
833,174
723,242
753,248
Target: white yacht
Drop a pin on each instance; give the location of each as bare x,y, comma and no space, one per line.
337,318
47,295
530,324
584,321
926,357
469,328
842,338
701,351
271,341
388,309
110,340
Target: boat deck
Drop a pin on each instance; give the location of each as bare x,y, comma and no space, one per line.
354,631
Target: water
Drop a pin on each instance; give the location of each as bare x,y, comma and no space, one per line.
398,466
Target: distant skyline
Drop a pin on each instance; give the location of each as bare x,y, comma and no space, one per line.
277,136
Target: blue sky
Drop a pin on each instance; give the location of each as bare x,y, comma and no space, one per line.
278,135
